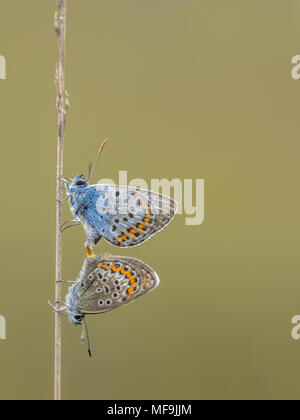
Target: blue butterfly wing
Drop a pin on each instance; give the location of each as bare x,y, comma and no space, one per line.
125,216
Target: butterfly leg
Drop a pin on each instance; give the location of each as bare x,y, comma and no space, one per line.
64,199
66,181
64,281
58,309
63,224
62,228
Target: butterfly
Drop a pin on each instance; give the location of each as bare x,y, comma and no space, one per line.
124,216
105,284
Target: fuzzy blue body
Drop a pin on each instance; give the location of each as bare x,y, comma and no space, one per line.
83,199
72,300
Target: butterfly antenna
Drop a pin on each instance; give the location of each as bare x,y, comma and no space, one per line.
92,170
87,336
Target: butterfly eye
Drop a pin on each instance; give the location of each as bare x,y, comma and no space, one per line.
80,182
77,318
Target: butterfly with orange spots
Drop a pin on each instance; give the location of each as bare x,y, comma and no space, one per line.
124,216
105,284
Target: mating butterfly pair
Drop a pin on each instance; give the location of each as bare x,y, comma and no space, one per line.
125,217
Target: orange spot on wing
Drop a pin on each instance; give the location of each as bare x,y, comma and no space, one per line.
140,228
129,276
133,282
132,233
114,268
122,238
103,266
147,218
130,291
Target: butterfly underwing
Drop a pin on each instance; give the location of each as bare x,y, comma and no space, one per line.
105,284
124,216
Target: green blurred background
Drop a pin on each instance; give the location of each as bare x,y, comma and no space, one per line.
185,89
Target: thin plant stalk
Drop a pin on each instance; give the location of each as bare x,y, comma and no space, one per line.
62,105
